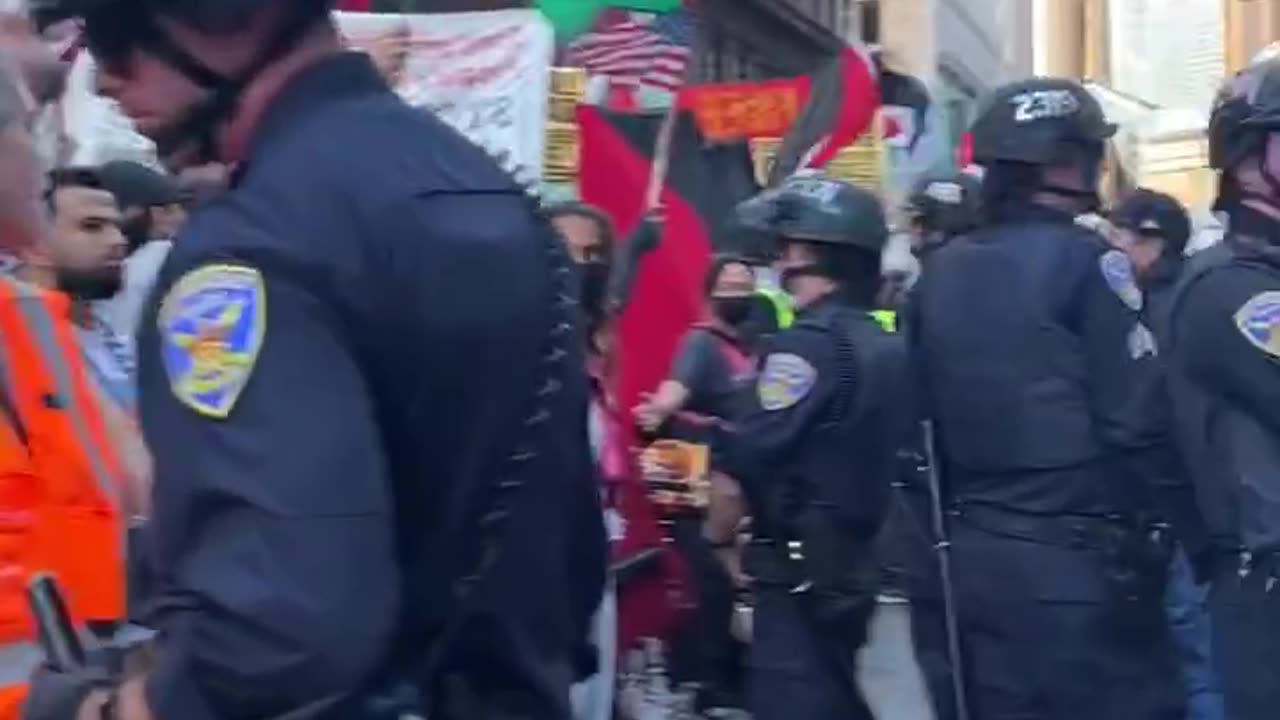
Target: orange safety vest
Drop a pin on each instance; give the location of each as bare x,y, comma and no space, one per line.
60,480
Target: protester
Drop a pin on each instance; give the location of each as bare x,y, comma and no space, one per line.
593,698
81,258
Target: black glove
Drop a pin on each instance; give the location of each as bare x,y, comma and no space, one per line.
54,695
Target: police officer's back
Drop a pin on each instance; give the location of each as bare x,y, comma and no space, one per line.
816,453
1226,317
1028,341
371,460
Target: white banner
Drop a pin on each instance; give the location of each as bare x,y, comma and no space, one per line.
487,74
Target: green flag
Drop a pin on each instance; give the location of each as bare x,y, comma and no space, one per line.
653,6
571,17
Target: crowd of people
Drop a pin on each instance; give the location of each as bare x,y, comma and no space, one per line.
336,434
1027,412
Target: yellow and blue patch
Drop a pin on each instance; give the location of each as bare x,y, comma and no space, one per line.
1259,321
1117,270
212,323
785,380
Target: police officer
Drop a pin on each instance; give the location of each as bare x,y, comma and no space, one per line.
815,454
362,458
1028,340
940,207
1153,230
1224,339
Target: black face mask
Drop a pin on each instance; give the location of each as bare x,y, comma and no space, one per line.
94,284
733,310
593,284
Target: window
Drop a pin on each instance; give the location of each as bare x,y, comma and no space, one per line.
869,21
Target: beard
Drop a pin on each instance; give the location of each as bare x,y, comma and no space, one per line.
92,284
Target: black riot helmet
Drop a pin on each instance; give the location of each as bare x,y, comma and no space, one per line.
949,204
819,209
1028,125
1245,111
113,29
1040,121
750,228
844,225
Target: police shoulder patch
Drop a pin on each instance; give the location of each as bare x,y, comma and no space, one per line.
1118,273
1259,321
785,380
212,323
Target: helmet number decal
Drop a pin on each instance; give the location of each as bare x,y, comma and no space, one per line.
1043,104
947,193
820,189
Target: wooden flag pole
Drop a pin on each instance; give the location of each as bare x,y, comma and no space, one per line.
661,157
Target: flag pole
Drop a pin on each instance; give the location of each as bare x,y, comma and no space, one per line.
662,148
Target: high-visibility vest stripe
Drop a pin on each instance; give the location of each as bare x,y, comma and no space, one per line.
887,319
8,401
17,661
77,530
42,327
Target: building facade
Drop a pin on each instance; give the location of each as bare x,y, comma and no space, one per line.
745,40
1155,65
1250,26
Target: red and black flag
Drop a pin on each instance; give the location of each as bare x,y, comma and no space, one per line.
703,183
843,99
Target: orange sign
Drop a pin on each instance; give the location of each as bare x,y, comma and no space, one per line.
676,473
734,111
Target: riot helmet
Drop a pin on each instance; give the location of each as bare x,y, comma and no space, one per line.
840,227
820,209
114,29
942,206
1026,126
749,228
1245,112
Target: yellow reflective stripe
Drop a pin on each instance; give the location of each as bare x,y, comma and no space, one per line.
41,325
17,662
781,306
887,319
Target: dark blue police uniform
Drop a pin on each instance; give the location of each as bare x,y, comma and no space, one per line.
816,455
1028,343
347,413
1215,497
1225,339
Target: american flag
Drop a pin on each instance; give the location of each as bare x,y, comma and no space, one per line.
641,48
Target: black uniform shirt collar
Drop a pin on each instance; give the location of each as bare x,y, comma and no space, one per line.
1254,233
330,80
